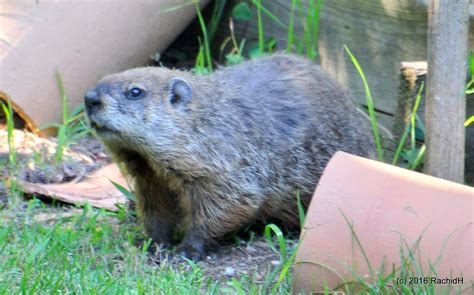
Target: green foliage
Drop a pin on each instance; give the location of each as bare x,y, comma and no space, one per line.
94,251
469,121
72,127
204,54
14,193
263,45
234,59
301,213
310,23
414,156
470,84
8,111
127,193
200,65
86,254
216,17
370,105
410,266
256,51
242,12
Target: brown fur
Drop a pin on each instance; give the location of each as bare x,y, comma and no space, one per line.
212,154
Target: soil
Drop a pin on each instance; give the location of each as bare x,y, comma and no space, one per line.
36,158
36,163
254,259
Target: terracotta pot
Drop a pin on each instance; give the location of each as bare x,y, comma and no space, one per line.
390,209
83,40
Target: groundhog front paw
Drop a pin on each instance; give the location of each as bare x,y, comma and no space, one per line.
157,249
191,251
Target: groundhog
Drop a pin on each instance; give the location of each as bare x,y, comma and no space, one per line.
213,154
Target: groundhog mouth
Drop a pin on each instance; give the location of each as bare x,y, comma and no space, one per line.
99,128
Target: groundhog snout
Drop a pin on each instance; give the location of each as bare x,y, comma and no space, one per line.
92,100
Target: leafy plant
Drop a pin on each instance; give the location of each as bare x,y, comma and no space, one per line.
200,67
72,126
14,192
235,56
310,24
203,64
264,45
242,12
8,111
414,155
204,48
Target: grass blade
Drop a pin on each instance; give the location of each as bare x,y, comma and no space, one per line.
291,28
64,99
261,41
370,105
128,194
207,51
469,121
301,213
280,239
259,5
8,110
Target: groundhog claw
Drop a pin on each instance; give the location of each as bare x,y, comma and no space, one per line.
191,252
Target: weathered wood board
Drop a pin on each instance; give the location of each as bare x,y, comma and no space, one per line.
445,104
380,33
413,74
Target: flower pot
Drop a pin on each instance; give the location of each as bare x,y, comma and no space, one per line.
365,212
83,41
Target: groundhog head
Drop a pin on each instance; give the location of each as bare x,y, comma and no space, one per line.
138,105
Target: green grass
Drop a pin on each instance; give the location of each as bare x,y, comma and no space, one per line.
89,253
307,45
414,156
410,265
8,111
72,127
310,23
470,64
96,252
370,105
469,121
205,48
12,164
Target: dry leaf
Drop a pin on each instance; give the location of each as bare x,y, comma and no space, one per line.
96,189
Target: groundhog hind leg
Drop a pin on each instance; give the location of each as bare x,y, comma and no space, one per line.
213,218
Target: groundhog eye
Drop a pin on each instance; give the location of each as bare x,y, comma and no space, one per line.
135,93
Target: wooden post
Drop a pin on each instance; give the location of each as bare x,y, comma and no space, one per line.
446,99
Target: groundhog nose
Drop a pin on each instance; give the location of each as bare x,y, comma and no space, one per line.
92,99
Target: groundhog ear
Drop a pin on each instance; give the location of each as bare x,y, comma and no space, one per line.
180,91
